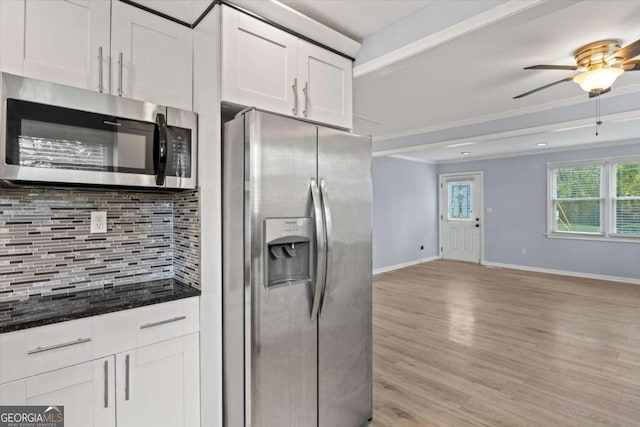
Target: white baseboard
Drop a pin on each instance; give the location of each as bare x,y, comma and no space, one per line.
403,265
563,272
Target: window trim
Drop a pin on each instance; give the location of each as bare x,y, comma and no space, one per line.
607,200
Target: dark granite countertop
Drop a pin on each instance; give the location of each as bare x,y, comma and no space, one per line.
44,310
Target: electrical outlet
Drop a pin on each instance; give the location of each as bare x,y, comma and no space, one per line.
98,222
524,251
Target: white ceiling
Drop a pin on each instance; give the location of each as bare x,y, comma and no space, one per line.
356,18
558,139
473,78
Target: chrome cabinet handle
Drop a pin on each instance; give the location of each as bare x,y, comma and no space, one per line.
306,99
100,75
321,257
56,346
162,322
295,97
106,383
120,61
126,378
329,227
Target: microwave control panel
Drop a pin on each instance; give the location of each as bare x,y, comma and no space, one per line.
179,156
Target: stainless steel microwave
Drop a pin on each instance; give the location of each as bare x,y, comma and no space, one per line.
56,134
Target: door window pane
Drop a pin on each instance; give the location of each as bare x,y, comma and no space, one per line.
460,200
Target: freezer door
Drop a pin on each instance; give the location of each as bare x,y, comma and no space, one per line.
280,334
345,330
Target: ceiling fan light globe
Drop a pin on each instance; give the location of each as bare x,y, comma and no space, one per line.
598,80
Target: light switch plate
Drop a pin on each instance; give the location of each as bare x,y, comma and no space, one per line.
98,222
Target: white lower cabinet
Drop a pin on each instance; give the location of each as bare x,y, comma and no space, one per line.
158,385
138,367
87,392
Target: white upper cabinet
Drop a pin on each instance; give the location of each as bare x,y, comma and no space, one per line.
101,45
259,64
57,40
265,67
326,80
151,57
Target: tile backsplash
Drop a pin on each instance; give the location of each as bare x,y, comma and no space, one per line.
46,245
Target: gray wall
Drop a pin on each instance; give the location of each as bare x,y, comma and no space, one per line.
516,189
405,211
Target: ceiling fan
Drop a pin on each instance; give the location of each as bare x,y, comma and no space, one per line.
598,64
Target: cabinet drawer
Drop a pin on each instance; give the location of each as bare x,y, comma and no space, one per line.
42,349
165,321
114,332
37,350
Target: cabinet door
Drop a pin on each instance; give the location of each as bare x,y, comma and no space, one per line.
151,58
326,81
57,40
87,392
158,385
259,64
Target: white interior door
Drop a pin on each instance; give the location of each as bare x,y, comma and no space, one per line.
461,217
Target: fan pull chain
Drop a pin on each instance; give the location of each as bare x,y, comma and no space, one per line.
598,121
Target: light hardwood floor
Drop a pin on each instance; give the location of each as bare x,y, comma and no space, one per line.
458,344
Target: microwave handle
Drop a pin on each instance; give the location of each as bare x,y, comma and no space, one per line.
161,166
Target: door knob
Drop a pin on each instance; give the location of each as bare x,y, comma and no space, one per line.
477,225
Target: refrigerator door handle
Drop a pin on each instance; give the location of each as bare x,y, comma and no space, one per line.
329,243
321,254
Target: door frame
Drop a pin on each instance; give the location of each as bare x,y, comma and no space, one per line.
442,178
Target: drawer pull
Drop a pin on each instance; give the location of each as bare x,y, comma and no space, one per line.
55,346
126,381
106,383
162,322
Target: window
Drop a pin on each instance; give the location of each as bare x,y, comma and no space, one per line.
460,199
578,200
626,201
598,198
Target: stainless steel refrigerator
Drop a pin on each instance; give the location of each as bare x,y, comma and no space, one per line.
296,274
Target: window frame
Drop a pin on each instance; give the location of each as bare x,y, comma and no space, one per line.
608,198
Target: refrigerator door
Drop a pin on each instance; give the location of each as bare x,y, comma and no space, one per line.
345,329
280,334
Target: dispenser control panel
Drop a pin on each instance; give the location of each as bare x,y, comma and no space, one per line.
287,251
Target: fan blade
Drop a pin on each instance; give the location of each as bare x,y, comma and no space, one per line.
629,51
552,67
631,65
568,79
602,92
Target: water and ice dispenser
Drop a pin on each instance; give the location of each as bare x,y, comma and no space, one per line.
288,251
